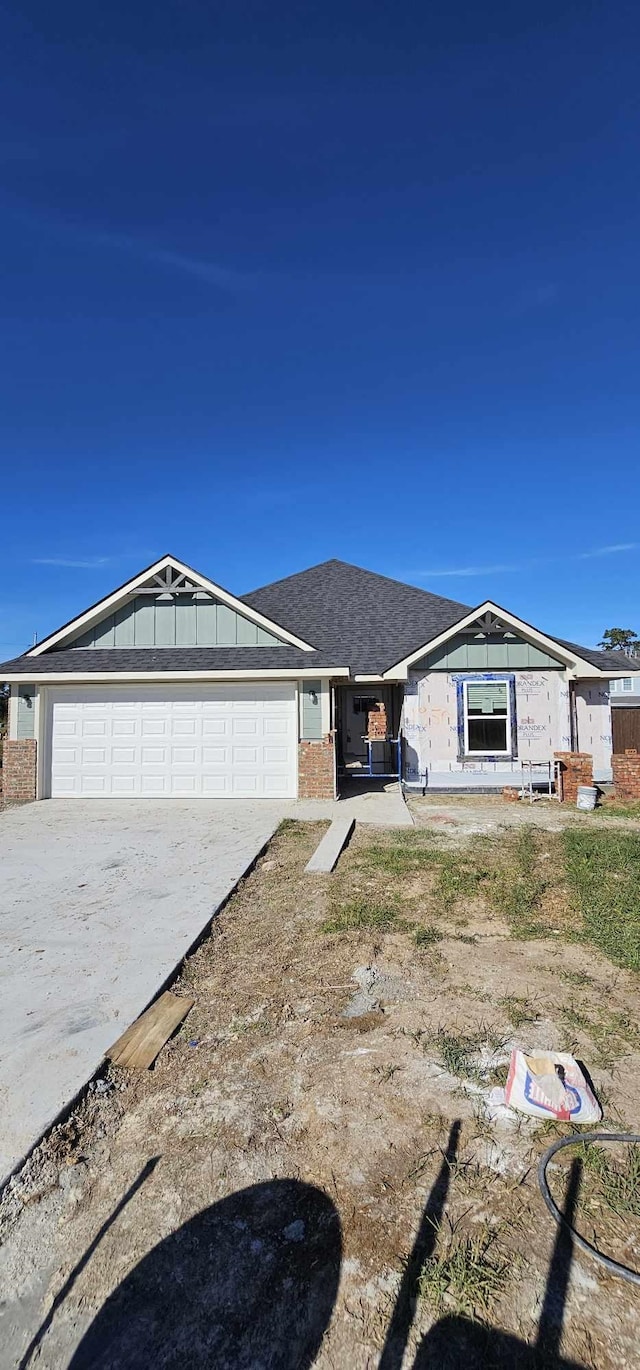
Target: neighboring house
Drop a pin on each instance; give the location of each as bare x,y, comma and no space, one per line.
625,710
173,687
626,690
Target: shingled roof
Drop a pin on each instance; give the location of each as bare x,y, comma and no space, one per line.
368,621
353,618
371,622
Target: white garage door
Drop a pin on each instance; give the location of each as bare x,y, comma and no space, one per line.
209,741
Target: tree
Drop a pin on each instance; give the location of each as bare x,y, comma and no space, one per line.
619,640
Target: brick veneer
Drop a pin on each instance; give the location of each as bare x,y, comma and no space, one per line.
19,770
316,769
626,774
576,768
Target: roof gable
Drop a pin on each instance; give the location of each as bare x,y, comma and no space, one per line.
166,579
488,617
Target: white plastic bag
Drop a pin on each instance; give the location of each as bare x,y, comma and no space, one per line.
550,1084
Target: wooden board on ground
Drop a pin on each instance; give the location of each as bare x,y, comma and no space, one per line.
138,1047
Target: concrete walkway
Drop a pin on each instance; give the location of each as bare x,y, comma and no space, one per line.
386,808
99,901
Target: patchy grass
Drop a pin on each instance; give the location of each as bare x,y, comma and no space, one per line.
427,936
408,853
518,1009
580,978
363,915
458,1052
458,875
517,889
458,878
616,1185
466,1277
617,810
603,871
613,1033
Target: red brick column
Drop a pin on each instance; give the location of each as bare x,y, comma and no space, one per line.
316,769
576,768
626,774
19,770
377,722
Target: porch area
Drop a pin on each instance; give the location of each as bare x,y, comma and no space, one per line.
368,739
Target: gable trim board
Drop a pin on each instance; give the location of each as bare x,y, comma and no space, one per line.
575,663
119,596
102,677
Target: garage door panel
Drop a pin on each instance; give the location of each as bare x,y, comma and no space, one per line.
123,727
122,784
93,727
174,740
184,727
215,786
154,787
123,756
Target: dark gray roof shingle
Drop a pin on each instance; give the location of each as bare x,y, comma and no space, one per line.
92,659
368,621
604,661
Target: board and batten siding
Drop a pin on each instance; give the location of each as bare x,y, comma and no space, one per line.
493,652
311,711
183,622
26,706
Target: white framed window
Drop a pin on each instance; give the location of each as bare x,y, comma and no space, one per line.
627,684
487,718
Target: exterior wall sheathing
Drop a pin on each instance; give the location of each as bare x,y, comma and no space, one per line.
431,728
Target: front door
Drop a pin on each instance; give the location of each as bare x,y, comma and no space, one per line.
354,724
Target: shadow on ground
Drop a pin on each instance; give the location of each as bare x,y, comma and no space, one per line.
249,1282
457,1342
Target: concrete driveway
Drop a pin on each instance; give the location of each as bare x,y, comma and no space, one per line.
99,901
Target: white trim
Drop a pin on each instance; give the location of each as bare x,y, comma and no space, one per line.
562,654
325,708
103,677
12,732
118,596
40,723
486,751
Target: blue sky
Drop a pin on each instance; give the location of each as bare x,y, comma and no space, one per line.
283,282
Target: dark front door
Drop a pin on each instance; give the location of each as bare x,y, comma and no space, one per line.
625,726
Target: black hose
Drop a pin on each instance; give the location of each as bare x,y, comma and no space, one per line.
575,1139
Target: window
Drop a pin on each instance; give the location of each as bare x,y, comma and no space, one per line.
487,718
627,683
363,703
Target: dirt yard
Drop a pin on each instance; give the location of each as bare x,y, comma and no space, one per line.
318,1170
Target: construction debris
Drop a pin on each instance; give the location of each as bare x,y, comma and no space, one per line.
138,1047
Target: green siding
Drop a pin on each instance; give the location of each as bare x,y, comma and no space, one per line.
494,652
26,711
311,709
181,622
